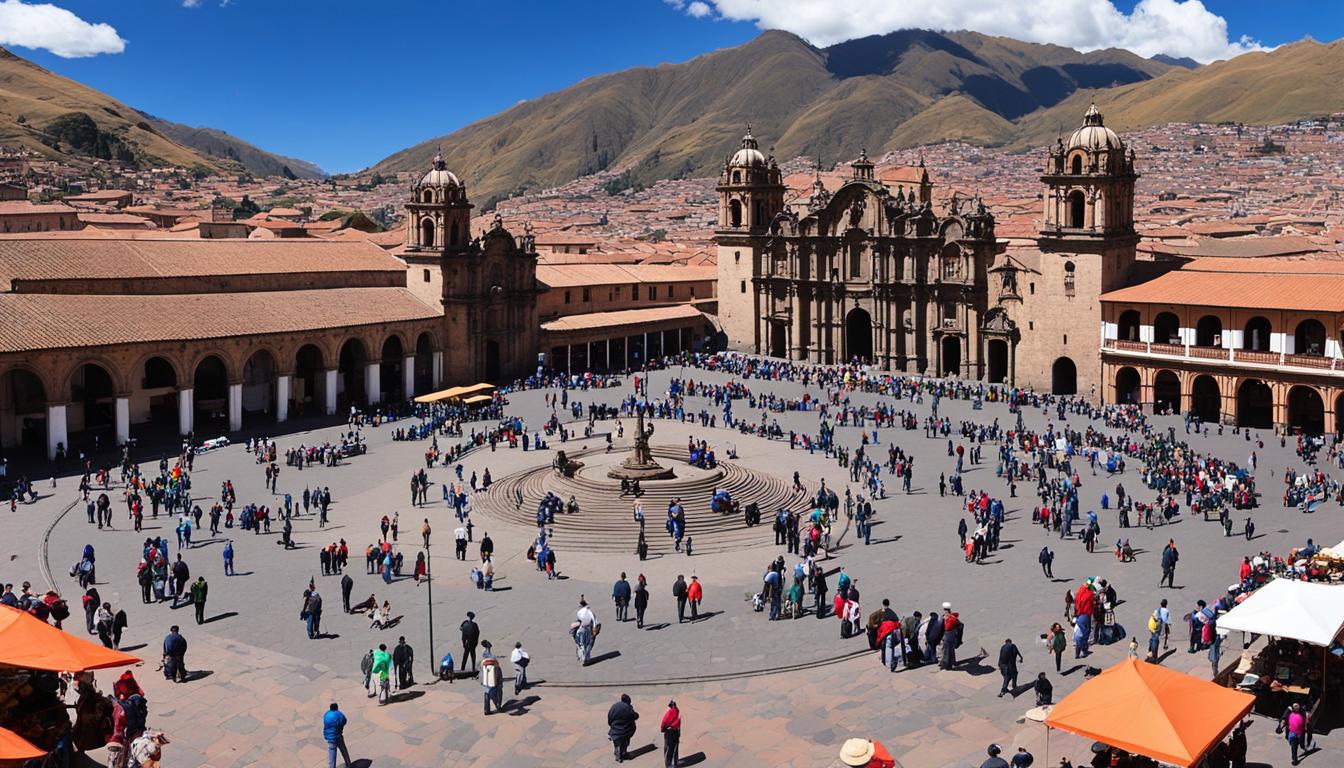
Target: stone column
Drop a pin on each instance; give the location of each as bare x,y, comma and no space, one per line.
123,419
569,358
408,377
437,370
282,398
607,346
235,407
56,430
186,411
329,392
373,383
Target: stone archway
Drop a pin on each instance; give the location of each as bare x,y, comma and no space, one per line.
1064,377
23,413
158,397
307,386
93,396
1306,410
350,373
950,347
492,361
859,335
996,354
210,395
1206,399
1166,393
259,387
424,363
1255,405
390,372
1127,386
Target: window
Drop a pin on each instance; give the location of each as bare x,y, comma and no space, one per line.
692,291
1032,288
566,297
1068,278
1077,164
426,275
1031,325
610,294
634,292
618,293
587,296
653,293
744,286
1066,338
671,291
737,256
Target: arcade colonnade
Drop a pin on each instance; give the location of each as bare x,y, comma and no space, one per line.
120,392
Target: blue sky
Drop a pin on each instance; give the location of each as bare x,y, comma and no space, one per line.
344,84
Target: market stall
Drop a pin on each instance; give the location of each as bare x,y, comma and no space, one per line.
1303,621
455,393
1151,711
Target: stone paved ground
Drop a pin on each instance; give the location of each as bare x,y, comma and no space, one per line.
785,693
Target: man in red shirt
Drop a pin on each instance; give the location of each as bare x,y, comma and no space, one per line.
671,728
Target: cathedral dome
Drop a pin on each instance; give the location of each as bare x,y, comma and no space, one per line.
439,175
748,156
1094,134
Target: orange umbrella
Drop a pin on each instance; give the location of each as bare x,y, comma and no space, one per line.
1151,710
30,643
15,747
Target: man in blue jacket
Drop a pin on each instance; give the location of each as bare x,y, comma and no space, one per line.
333,730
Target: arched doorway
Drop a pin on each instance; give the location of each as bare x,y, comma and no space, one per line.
1077,209
259,373
390,377
859,334
1166,328
350,377
1309,338
779,341
996,353
1306,410
1209,331
951,349
734,213
1127,386
424,364
1129,325
158,383
210,387
92,395
23,414
427,233
307,385
1255,405
1064,377
492,366
1206,400
1166,393
1255,338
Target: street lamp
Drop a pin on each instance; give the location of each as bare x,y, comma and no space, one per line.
429,592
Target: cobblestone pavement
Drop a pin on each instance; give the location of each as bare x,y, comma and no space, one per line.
752,692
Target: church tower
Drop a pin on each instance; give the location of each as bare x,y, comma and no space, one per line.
486,285
751,195
1087,244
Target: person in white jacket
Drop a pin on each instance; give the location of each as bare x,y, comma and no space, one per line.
520,659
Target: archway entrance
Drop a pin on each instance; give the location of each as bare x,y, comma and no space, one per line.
859,334
997,354
23,414
91,394
424,364
259,394
1255,405
1306,410
210,385
392,383
951,357
1127,386
492,367
779,343
306,387
1064,377
158,384
350,377
1077,207
1206,400
1166,393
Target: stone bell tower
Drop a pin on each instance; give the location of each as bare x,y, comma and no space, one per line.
751,193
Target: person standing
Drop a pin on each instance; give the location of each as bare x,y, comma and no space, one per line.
492,679
679,592
520,659
671,728
1009,656
641,600
382,673
1057,642
228,557
333,730
694,594
314,615
175,655
1294,725
585,631
403,658
347,586
620,594
199,591
621,725
1169,559
471,635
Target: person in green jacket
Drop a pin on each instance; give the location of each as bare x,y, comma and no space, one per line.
796,599
382,670
199,589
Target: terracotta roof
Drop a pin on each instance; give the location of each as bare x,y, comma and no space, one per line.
36,258
55,321
620,318
1306,284
571,275
19,207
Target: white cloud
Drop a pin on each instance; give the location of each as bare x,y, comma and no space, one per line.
1173,27
191,3
45,26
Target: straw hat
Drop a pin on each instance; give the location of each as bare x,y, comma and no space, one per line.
856,752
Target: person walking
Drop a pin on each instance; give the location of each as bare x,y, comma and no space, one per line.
585,631
694,594
620,594
333,730
1056,643
1047,559
671,728
641,600
314,615
1009,656
519,659
1169,559
492,679
621,726
228,557
199,591
1294,725
471,635
679,592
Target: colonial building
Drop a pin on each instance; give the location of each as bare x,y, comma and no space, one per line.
871,273
1250,342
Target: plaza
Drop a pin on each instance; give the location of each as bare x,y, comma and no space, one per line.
751,691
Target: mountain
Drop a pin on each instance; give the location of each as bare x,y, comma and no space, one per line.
67,121
1183,61
682,119
217,144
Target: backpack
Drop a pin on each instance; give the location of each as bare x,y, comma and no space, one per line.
1153,623
60,610
136,711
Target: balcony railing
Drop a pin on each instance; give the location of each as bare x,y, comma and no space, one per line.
1252,356
1209,353
1246,356
1166,349
1309,361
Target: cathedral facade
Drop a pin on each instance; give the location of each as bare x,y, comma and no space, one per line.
893,279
